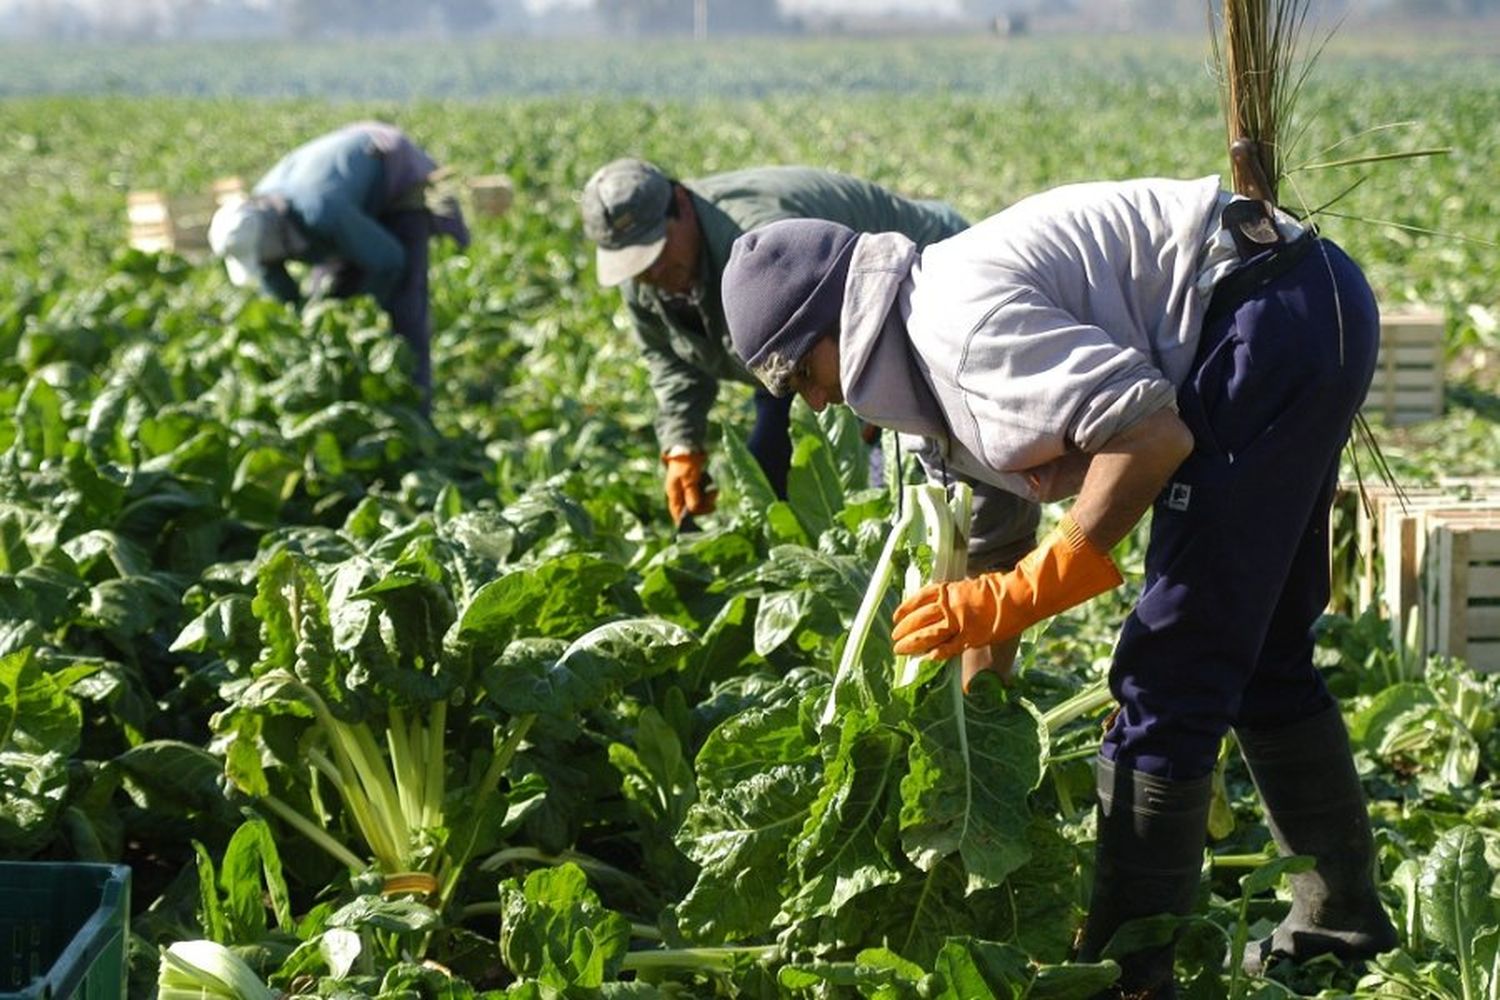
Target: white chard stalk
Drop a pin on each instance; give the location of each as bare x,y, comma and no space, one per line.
205,970
869,607
926,515
946,524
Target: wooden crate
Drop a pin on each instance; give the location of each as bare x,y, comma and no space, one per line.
1404,541
491,195
1358,523
149,216
1462,584
162,223
1408,383
228,189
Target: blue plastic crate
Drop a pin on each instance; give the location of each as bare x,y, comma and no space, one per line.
63,930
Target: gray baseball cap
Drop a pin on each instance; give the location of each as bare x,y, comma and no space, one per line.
625,211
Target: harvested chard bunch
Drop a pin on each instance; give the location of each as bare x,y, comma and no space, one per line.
889,810
930,537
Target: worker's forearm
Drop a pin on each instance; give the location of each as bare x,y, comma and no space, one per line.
1127,474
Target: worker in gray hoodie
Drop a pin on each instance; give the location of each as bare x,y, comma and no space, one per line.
1151,345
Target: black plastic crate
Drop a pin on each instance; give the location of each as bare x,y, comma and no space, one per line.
63,930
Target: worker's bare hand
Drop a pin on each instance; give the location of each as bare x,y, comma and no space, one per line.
999,657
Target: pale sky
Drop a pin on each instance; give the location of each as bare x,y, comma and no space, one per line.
96,13
870,6
790,6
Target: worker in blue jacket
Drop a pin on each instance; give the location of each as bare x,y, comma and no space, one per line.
354,204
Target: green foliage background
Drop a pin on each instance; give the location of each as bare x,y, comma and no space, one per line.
174,438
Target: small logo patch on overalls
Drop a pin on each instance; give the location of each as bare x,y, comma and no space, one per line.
1178,496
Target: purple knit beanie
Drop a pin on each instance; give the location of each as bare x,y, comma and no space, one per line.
783,289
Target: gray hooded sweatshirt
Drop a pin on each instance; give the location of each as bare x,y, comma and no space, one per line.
686,340
1021,345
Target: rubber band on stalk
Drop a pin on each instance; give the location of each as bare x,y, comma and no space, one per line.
420,883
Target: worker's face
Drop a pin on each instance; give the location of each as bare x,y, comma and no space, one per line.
675,270
816,377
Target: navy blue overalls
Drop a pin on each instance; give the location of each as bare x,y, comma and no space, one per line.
770,439
1237,562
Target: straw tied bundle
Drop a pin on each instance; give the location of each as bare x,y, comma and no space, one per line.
1261,71
1262,68
1258,65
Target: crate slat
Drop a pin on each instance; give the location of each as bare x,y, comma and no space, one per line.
226,189
146,208
1369,521
1411,322
159,222
1408,384
1483,622
1417,356
1462,586
1411,397
1484,655
1484,582
1470,484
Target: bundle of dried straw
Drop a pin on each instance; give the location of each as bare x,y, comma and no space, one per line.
1261,69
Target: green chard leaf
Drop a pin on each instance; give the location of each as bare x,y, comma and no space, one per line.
841,428
746,480
592,669
813,489
974,760
40,727
250,875
758,775
849,844
1455,890
557,598
554,929
297,628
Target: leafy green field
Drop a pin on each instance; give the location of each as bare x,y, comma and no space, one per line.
272,640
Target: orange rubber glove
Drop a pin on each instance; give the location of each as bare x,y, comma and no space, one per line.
944,619
685,492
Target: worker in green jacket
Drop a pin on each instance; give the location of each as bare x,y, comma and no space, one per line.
667,242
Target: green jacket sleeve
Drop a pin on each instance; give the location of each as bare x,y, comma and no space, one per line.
755,197
873,209
684,394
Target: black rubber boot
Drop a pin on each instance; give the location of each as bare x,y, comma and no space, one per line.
1315,806
1148,860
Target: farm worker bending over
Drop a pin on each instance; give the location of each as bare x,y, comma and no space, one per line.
1149,344
666,244
353,203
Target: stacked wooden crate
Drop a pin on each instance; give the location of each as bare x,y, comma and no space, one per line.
1461,597
163,223
1358,521
1434,553
491,194
1418,553
1408,383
